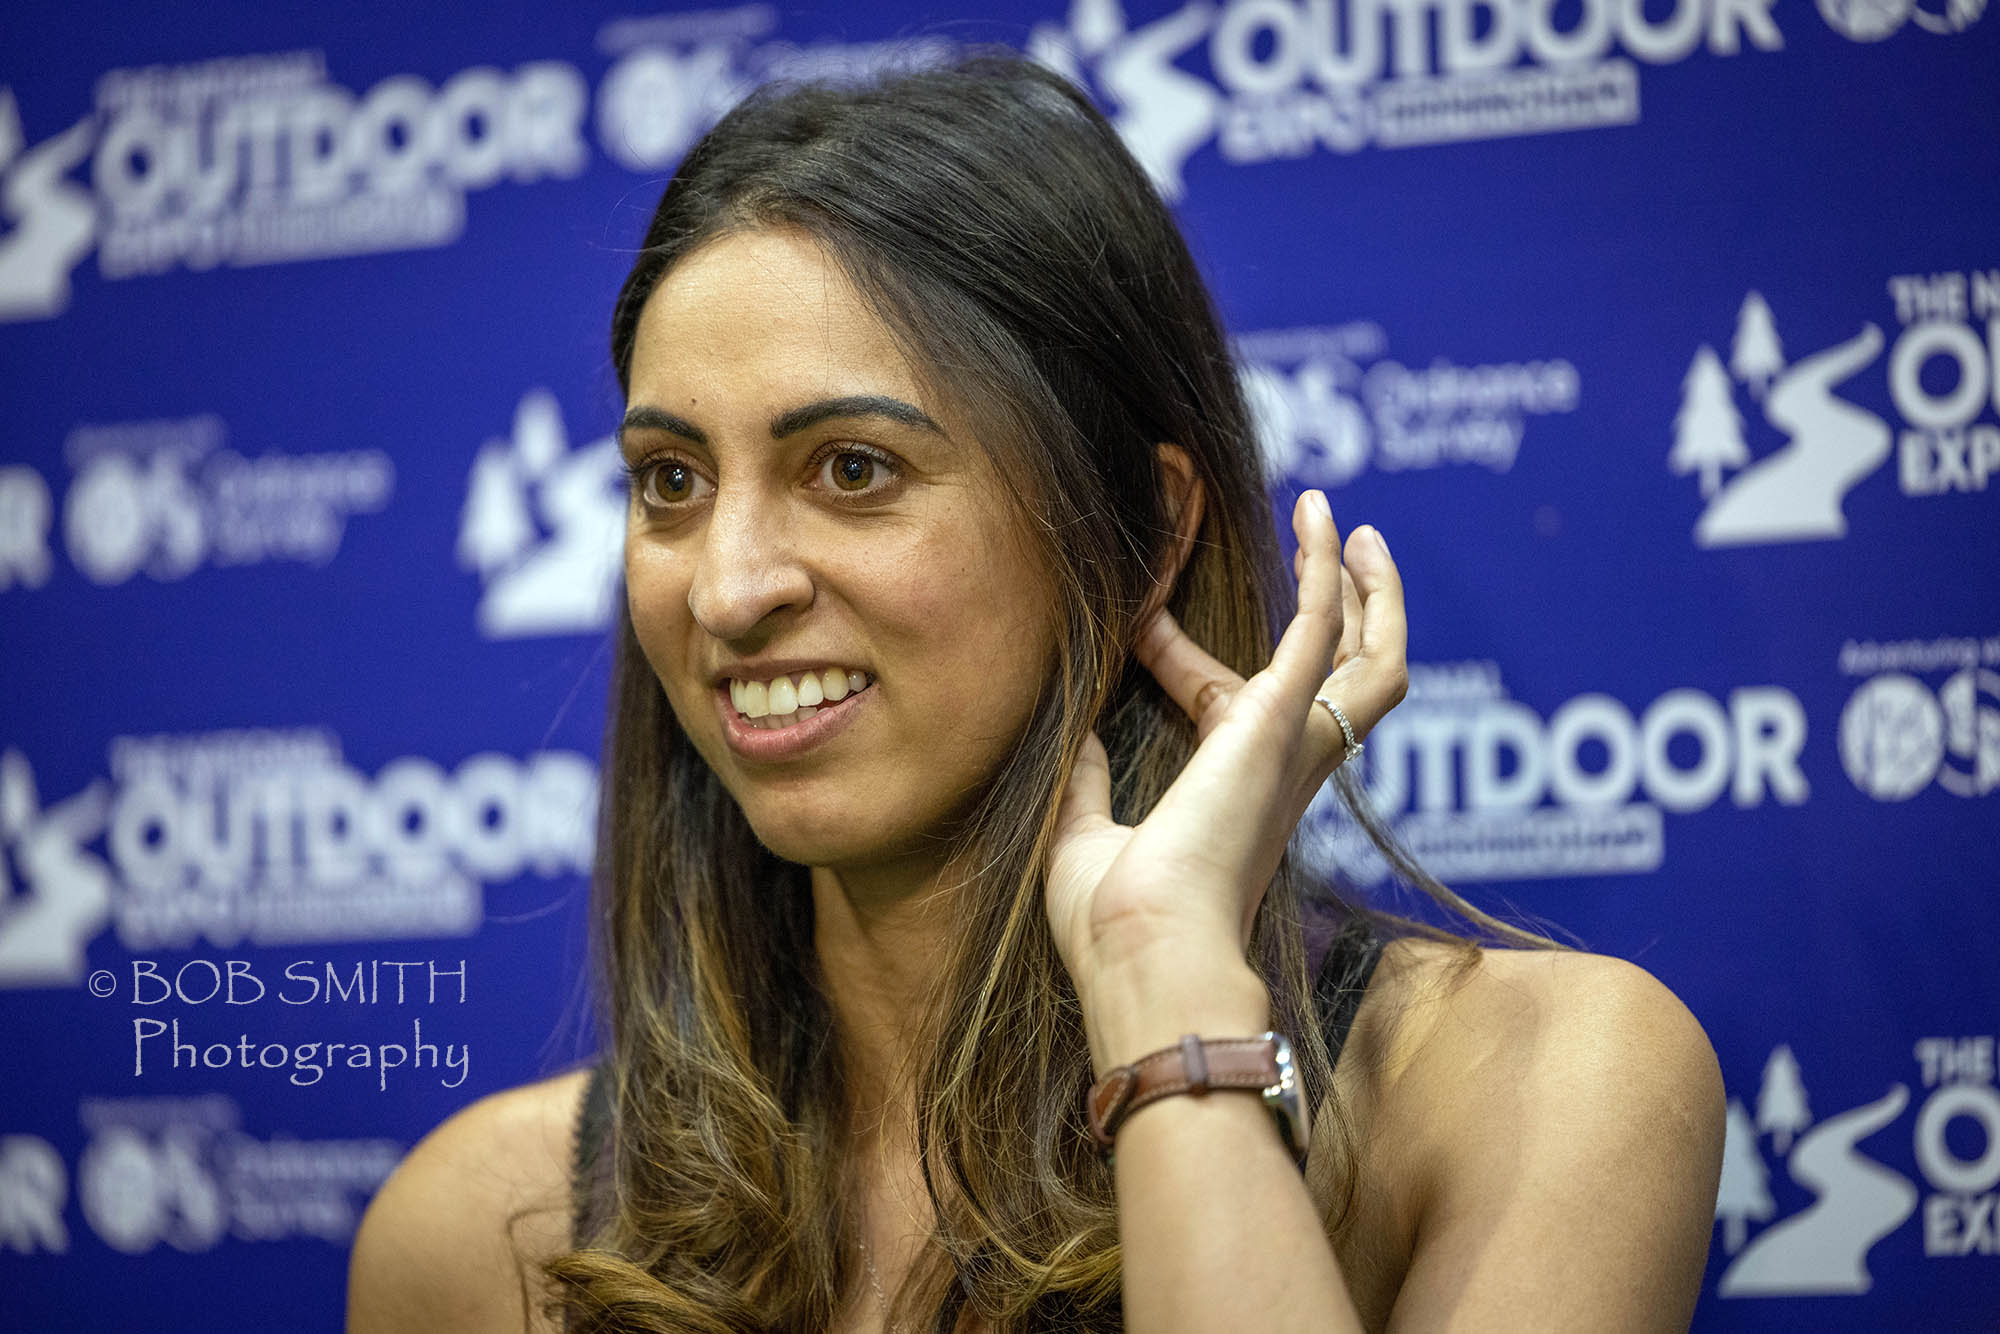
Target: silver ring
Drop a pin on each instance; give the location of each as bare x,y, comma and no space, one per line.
1354,748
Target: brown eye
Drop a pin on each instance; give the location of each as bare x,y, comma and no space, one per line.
667,484
852,471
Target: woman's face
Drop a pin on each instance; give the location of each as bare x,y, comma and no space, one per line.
799,504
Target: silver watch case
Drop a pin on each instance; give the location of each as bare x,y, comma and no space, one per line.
1287,1100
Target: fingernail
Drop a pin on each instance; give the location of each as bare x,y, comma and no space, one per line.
1380,541
1320,502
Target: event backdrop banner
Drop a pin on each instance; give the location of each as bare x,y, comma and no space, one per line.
1658,336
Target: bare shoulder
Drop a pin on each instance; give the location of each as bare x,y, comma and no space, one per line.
1561,1119
1553,1014
450,1240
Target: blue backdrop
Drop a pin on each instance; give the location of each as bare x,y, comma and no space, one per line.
1657,336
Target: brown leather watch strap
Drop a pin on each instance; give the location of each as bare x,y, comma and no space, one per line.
1193,1065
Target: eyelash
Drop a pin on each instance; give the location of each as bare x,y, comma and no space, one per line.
637,474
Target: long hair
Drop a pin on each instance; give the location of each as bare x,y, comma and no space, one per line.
1026,265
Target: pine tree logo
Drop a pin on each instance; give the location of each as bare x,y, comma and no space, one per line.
1756,356
1781,1102
1746,1183
1708,432
1823,1247
1794,493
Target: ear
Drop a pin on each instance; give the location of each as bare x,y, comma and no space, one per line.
1185,496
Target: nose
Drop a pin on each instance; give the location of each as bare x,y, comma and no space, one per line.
749,568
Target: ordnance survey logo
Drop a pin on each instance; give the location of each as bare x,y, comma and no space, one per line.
1329,403
181,1172
1940,381
271,837
1848,1200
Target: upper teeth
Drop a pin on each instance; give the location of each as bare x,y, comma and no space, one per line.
787,694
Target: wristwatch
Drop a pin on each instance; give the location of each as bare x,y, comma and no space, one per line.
1196,1065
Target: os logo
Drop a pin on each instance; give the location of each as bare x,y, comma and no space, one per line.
137,1192
120,515
1896,736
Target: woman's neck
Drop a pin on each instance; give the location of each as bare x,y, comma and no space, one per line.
879,935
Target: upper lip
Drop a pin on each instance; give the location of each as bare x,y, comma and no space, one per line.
769,669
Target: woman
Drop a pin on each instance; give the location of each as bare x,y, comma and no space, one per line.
951,770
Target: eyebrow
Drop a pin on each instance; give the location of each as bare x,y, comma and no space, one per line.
790,422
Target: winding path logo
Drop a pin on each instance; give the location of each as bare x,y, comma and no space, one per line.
1824,1247
1794,494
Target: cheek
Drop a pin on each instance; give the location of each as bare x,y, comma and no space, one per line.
980,606
656,595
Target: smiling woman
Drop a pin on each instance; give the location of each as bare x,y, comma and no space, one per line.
796,510
952,773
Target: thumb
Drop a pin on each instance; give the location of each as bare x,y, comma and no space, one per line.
1086,800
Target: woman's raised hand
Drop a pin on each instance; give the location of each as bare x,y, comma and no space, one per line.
1184,885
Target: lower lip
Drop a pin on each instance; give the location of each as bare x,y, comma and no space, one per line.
760,743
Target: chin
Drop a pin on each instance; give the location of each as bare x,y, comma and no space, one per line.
843,841
817,843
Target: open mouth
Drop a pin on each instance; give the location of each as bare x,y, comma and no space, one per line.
786,701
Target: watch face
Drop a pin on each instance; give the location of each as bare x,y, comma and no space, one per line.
1286,1099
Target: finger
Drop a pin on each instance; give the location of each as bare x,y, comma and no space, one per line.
1086,798
1304,654
1350,616
1385,631
1192,678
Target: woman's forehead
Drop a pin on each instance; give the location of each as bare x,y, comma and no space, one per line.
764,312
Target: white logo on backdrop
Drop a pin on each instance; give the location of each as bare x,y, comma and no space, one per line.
1795,493
542,526
53,219
167,498
137,1192
1873,20
1328,404
1290,77
1898,734
262,159
25,511
179,1172
678,73
654,104
64,895
1823,1248
1163,113
34,1184
1481,787
271,837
